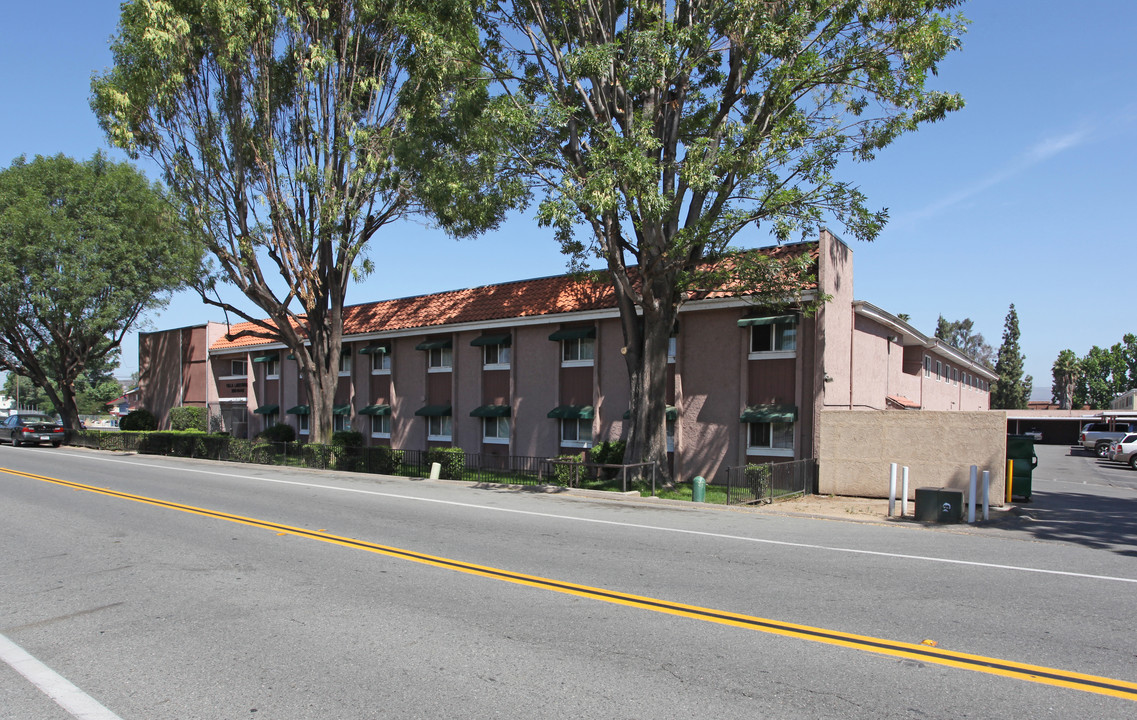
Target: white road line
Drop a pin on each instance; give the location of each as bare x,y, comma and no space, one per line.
720,536
76,702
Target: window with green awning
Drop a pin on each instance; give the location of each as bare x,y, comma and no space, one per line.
769,413
771,320
434,411
378,410
491,411
483,340
268,357
267,410
571,412
341,410
434,345
375,349
672,413
298,410
578,333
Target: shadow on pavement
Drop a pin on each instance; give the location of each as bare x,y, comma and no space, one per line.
1096,521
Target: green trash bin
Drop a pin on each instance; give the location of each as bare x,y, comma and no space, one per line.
1020,449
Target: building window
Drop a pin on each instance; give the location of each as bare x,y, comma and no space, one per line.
578,351
380,426
495,430
302,424
770,438
670,436
955,376
672,348
496,356
927,366
576,432
238,368
345,361
939,370
380,363
438,428
778,337
440,359
340,423
272,369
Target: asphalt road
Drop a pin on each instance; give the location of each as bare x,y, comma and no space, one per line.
257,592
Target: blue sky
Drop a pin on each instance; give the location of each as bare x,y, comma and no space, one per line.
1022,197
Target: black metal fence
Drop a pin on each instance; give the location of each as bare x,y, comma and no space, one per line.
767,482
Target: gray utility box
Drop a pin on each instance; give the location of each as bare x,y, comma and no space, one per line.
942,505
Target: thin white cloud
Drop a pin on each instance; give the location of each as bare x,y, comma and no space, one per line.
1050,147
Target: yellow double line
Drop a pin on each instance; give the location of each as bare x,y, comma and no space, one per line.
880,646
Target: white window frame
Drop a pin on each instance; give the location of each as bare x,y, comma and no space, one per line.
672,349
927,366
302,424
341,423
670,430
502,357
440,359
272,369
497,425
576,424
445,428
238,369
769,449
573,355
345,362
776,332
939,371
383,360
383,421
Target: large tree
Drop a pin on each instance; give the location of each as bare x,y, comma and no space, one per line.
296,130
1105,374
960,335
88,247
1012,389
1066,372
660,130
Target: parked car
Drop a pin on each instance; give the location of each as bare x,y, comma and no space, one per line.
1097,437
1034,434
1125,450
31,429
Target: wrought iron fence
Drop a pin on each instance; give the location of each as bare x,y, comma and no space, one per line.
767,482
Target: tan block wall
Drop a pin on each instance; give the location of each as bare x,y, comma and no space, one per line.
939,449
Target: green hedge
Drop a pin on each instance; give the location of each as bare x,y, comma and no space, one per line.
452,460
189,418
140,419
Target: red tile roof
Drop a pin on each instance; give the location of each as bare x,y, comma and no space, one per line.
518,299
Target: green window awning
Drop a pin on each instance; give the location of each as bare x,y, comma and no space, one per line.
571,412
769,413
291,356
383,349
376,410
573,334
505,340
433,411
771,320
341,410
672,413
298,410
269,357
491,411
434,344
267,410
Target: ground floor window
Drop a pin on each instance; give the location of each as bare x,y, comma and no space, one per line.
381,426
495,430
770,438
576,432
438,428
341,423
670,436
302,424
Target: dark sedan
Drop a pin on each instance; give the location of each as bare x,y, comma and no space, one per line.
30,429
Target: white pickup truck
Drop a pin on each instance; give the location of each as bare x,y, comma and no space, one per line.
1097,437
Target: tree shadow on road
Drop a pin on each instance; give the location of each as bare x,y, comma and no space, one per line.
1104,523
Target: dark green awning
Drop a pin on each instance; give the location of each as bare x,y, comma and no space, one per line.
491,411
433,411
769,413
341,410
672,413
573,333
434,344
266,358
772,320
571,412
298,410
375,350
267,410
291,356
505,340
376,410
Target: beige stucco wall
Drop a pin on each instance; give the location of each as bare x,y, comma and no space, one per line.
939,449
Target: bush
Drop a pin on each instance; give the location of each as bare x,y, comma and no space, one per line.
189,418
279,433
567,475
383,460
609,453
347,438
452,460
139,419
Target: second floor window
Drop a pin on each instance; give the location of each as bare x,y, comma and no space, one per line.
497,355
345,361
440,358
239,368
381,362
579,350
778,337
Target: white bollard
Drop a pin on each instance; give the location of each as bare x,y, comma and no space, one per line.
986,492
904,495
435,471
892,490
971,494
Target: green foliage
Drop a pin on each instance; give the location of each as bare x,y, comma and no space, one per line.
1011,390
663,130
189,418
960,335
375,112
1106,373
88,247
347,439
452,460
608,453
566,474
758,477
384,460
1066,372
279,433
140,419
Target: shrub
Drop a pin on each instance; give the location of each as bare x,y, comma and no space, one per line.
758,478
452,460
279,433
347,438
567,475
383,460
139,419
189,418
609,453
